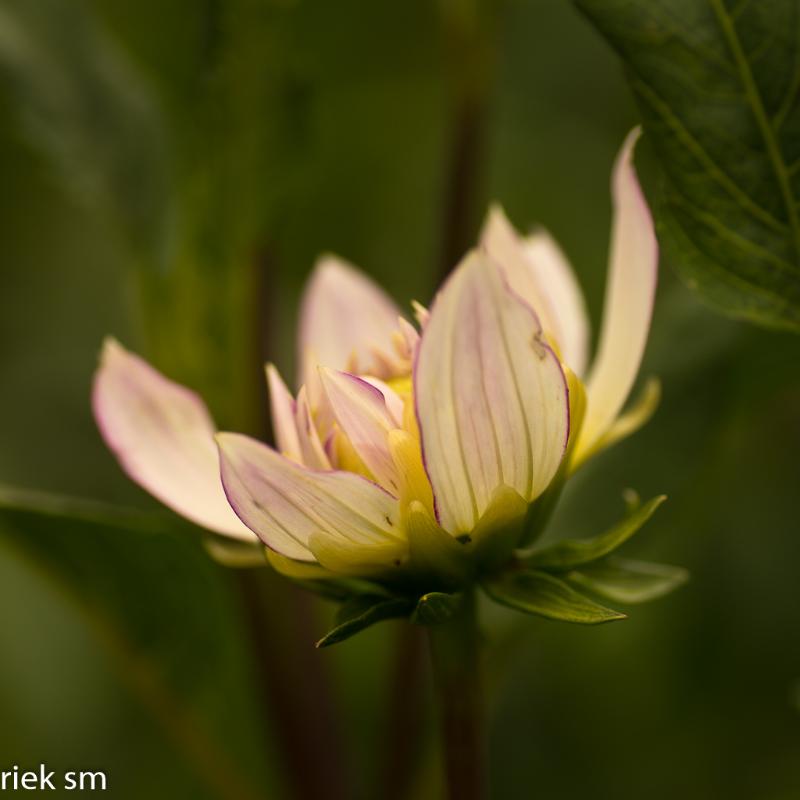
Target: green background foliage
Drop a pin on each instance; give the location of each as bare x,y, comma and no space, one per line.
169,172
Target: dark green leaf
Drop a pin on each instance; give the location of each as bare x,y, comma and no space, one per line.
539,593
575,552
436,607
717,84
361,612
625,581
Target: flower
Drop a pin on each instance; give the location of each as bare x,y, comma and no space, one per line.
409,455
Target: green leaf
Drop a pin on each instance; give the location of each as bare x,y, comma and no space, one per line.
435,608
546,596
571,553
361,612
624,581
717,85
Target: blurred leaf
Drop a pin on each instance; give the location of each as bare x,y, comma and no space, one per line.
625,581
717,85
575,552
187,182
434,608
82,102
207,316
541,594
361,612
158,608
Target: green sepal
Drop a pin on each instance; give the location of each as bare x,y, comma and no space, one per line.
361,612
547,596
433,552
634,417
434,608
624,581
571,553
316,579
235,554
499,530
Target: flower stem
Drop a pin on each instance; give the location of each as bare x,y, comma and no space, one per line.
456,671
469,44
297,696
405,716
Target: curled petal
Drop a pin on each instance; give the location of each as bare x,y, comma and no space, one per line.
163,436
492,401
540,274
344,317
284,410
362,414
394,402
286,504
569,320
632,276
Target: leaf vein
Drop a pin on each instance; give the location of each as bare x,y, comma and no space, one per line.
757,106
659,105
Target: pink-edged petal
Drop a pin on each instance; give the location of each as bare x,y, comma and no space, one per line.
630,291
286,504
553,272
394,402
163,436
540,274
361,411
492,401
344,316
284,411
312,451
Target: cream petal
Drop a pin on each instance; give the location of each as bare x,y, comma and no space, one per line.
569,320
312,451
163,436
492,401
344,316
286,504
630,290
361,411
540,274
284,410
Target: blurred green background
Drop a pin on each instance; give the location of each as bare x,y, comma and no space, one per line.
170,170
